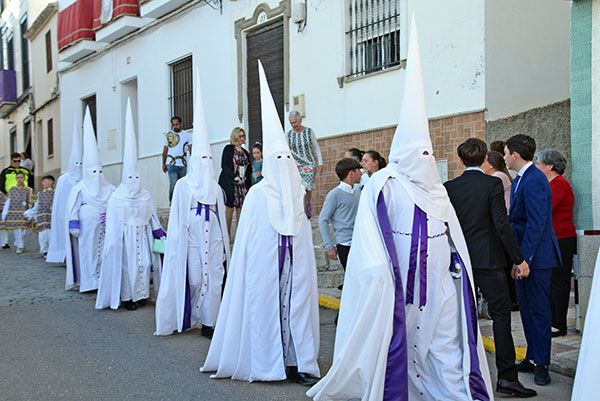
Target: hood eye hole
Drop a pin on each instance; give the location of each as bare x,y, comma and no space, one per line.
288,156
279,157
93,171
425,153
130,176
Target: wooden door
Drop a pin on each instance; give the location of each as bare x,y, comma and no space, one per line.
264,43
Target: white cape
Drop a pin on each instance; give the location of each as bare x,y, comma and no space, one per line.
58,246
84,254
170,302
365,322
120,232
247,343
587,386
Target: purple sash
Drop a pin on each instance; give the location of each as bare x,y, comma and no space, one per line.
187,309
206,211
476,382
396,373
285,243
419,237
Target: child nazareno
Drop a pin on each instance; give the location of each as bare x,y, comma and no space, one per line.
41,213
20,198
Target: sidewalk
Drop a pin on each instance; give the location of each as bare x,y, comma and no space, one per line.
565,350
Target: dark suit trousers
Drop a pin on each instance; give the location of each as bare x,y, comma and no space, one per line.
494,287
561,283
533,294
343,251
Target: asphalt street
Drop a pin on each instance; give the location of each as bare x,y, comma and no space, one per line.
55,346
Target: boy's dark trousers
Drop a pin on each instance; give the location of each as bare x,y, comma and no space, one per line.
342,251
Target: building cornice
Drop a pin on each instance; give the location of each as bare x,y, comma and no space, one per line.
41,20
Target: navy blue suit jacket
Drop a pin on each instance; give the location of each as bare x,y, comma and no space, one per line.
531,219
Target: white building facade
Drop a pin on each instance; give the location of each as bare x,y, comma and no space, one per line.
341,63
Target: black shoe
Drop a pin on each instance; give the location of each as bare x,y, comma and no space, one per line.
129,305
525,366
542,377
514,389
306,379
341,287
514,307
207,331
142,302
6,246
559,333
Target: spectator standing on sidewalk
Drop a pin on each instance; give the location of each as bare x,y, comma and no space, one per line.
531,219
339,210
8,176
553,165
177,144
479,203
307,153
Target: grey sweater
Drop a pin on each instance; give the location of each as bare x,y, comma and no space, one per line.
339,209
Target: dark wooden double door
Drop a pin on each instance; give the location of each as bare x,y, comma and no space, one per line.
264,43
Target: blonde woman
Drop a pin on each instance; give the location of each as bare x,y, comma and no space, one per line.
236,173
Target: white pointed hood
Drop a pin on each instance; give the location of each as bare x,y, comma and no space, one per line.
94,182
281,184
75,155
130,177
201,175
411,153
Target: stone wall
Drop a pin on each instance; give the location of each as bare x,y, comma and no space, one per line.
446,134
550,126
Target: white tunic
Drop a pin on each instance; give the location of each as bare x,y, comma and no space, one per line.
249,340
83,265
438,356
58,244
195,253
587,386
128,262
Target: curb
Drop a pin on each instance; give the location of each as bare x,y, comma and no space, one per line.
328,302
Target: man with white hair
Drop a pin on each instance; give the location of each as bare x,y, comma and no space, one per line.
268,326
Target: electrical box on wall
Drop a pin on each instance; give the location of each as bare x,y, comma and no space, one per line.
298,104
299,12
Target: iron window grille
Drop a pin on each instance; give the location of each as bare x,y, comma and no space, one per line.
50,137
182,91
373,35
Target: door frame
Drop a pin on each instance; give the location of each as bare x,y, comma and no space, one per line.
263,15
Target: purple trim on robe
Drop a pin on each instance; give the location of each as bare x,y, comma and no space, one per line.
206,211
159,233
74,258
187,309
285,244
396,373
412,263
422,258
476,382
74,225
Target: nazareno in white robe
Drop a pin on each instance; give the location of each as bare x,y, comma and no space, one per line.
128,262
444,356
587,386
248,340
58,244
85,256
196,254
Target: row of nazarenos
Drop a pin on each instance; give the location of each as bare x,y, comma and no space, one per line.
390,343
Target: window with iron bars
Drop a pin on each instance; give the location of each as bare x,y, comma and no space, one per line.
373,35
182,91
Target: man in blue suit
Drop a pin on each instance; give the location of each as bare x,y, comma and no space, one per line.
531,219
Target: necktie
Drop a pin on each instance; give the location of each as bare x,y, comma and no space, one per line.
516,182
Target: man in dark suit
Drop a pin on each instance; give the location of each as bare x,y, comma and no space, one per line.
531,219
479,203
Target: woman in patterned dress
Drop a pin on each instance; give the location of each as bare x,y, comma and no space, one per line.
307,153
236,174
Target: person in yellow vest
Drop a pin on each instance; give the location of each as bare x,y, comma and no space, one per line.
20,198
8,176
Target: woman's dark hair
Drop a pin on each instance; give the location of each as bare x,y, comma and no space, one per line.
258,146
497,146
356,153
373,154
496,160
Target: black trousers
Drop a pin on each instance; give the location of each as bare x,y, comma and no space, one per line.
560,287
342,251
494,287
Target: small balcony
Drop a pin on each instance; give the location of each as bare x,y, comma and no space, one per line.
119,28
8,90
158,8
